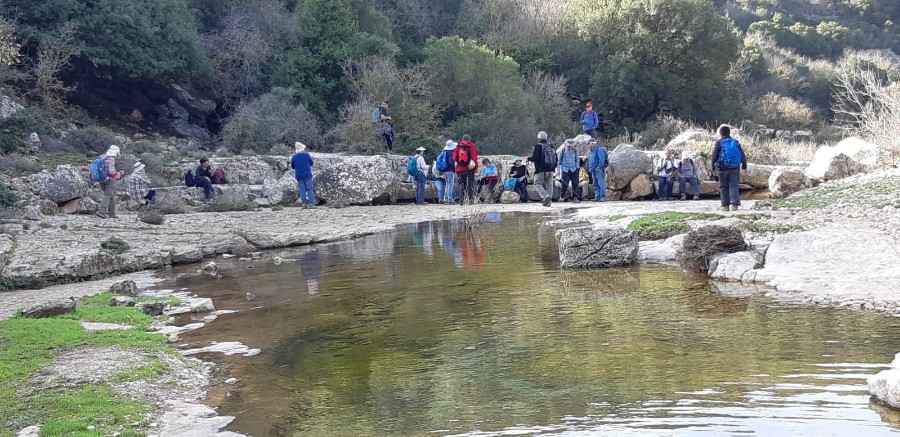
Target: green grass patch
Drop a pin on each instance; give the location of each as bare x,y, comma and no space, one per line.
148,370
53,159
97,309
28,345
617,217
666,224
171,301
876,193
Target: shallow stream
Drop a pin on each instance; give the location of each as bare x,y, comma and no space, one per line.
434,331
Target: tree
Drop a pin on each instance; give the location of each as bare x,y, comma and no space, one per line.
54,55
141,39
782,113
270,120
658,53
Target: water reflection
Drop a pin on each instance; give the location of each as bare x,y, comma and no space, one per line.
483,335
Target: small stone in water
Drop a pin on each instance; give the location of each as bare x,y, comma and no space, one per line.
470,348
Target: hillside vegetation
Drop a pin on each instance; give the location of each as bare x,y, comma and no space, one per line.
267,72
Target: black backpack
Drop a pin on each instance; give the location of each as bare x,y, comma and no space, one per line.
189,179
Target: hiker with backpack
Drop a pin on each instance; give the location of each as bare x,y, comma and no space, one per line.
466,157
590,120
728,159
545,160
203,179
418,169
597,163
103,170
382,124
437,177
302,164
139,186
445,164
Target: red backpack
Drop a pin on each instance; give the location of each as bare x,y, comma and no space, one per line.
218,176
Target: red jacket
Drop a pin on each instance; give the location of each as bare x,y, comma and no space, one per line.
473,155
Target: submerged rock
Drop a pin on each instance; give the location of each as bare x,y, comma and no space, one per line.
587,247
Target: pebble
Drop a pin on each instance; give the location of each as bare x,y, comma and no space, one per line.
91,427
231,381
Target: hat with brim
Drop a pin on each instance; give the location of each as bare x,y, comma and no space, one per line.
299,147
138,166
450,145
420,149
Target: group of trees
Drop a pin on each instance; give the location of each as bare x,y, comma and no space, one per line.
497,69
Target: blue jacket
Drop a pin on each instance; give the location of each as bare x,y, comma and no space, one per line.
568,160
302,164
597,159
589,120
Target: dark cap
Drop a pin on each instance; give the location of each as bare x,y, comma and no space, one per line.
203,160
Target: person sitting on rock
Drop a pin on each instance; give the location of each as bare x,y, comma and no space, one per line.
489,178
519,172
688,172
203,179
139,186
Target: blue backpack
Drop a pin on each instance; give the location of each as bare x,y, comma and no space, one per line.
376,115
412,168
730,155
444,161
99,172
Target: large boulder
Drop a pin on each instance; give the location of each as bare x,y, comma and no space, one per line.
250,170
84,205
61,185
734,266
885,386
690,140
509,197
860,150
638,188
757,176
829,164
51,308
625,163
785,181
596,247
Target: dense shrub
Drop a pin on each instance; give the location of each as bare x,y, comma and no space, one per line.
115,246
14,130
90,139
782,113
7,197
17,164
273,118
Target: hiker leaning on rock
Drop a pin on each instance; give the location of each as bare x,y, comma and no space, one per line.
728,158
108,184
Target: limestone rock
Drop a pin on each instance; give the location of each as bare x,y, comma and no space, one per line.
124,288
509,197
51,308
690,139
587,247
62,185
48,207
152,308
84,205
30,431
734,266
8,106
663,251
247,170
32,212
638,188
785,181
625,163
183,419
203,305
122,301
859,150
885,385
830,164
757,176
211,269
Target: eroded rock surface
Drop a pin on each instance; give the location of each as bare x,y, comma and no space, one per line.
594,247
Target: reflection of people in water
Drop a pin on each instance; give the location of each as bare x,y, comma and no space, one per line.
311,267
492,217
423,236
471,245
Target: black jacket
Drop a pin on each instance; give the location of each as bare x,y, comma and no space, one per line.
518,172
203,173
537,157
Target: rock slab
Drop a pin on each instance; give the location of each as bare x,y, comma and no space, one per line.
61,185
51,308
586,247
885,386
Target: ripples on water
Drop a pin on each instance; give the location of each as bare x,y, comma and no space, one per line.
433,331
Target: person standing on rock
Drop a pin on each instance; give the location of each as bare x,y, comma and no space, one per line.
466,158
597,163
203,179
728,158
421,174
382,122
589,120
446,164
139,186
544,159
688,172
302,164
568,168
108,204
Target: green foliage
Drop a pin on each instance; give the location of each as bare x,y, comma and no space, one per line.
666,224
269,120
93,139
7,197
671,55
142,40
406,144
14,130
114,246
828,38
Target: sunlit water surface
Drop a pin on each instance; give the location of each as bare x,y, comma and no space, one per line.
431,330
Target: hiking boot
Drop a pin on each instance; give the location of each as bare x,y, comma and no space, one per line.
546,202
696,197
576,200
112,216
683,197
725,208
735,207
101,215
